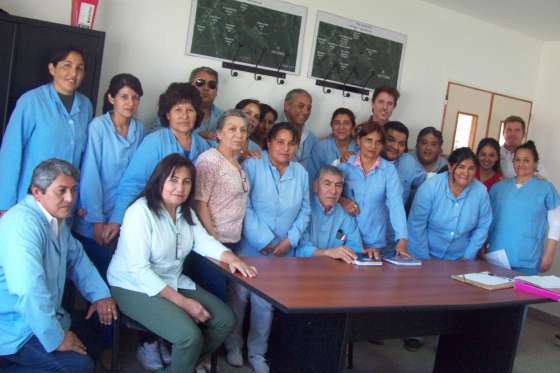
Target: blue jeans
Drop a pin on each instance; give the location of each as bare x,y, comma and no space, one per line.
32,358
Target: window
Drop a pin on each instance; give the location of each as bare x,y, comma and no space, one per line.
465,130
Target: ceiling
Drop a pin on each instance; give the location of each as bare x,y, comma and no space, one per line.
539,19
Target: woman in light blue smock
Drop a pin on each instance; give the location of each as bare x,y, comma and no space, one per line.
112,140
48,122
521,205
179,112
338,143
451,213
277,215
373,193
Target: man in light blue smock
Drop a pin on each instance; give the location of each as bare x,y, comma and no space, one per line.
332,231
37,254
40,128
297,109
205,79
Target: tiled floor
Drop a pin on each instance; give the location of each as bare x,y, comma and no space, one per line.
536,354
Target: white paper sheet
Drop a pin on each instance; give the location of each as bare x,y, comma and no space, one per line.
499,258
545,282
487,279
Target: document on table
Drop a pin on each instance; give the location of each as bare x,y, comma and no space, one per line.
486,278
499,258
545,282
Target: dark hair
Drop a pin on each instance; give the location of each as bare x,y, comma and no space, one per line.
241,104
297,92
343,110
430,131
154,186
396,126
387,89
117,82
265,109
175,94
514,118
493,143
279,127
457,156
529,145
370,127
60,54
205,69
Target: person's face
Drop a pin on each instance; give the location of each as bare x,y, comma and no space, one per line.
68,73
298,110
176,188
282,147
524,163
233,134
463,173
342,127
125,103
328,189
253,112
182,117
395,144
428,149
59,197
266,124
371,145
383,107
487,157
513,134
207,85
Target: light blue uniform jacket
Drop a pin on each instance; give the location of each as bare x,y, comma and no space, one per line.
153,149
277,206
327,230
40,128
442,226
34,265
412,173
325,152
520,220
379,198
106,157
303,153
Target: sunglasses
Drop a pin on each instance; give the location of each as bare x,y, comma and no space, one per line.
212,84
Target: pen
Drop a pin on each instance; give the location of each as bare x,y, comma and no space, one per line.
504,277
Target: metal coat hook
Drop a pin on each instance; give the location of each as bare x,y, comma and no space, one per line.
232,72
256,76
279,80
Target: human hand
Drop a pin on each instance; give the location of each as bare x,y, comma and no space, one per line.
106,310
282,248
208,135
546,262
245,269
98,236
401,249
110,232
195,310
372,252
349,206
342,253
345,156
71,343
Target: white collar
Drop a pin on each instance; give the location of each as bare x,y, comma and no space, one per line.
53,222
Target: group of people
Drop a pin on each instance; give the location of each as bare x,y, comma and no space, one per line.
229,184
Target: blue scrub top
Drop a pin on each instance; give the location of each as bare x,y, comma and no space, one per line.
278,206
40,128
520,221
106,158
325,152
442,226
153,149
329,230
379,198
413,174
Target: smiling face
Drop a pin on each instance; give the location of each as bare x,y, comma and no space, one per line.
342,127
181,117
68,73
176,188
298,110
428,149
233,135
253,112
59,197
382,107
281,148
513,134
370,145
207,85
395,144
487,157
328,189
125,103
524,163
462,173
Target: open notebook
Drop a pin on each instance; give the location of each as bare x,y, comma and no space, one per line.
485,280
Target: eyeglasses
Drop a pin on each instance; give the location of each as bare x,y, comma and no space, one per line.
212,84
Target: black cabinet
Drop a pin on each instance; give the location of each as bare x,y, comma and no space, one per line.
25,48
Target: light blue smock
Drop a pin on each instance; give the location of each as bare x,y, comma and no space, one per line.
325,152
34,265
442,226
329,230
278,206
379,197
212,123
40,128
106,157
303,152
153,149
413,174
520,220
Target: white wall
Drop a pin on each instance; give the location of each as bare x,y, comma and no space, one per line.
148,38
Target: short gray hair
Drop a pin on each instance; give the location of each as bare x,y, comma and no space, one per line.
297,92
232,113
47,171
329,169
205,69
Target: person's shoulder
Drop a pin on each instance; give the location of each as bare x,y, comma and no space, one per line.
83,99
137,208
478,187
208,157
24,216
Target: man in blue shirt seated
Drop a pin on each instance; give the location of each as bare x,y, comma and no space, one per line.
332,232
37,252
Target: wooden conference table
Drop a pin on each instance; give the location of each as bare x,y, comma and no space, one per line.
324,303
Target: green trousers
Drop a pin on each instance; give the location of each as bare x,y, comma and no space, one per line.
163,318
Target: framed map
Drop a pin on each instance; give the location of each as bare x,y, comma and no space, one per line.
267,33
355,53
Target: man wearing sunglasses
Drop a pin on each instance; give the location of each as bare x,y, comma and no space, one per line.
205,79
